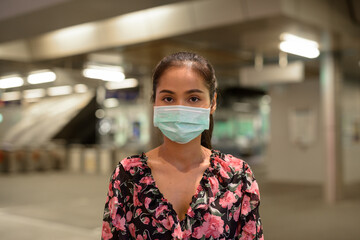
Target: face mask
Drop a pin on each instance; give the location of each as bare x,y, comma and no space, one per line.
181,124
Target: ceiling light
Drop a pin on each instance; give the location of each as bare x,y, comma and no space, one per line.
34,93
104,72
127,83
42,76
11,81
111,102
80,88
11,96
61,90
299,46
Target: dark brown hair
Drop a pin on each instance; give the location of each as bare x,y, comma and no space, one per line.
201,66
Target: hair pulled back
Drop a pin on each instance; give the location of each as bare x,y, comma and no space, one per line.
198,64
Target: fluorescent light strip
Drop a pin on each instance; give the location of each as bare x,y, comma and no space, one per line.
111,102
299,46
302,41
127,83
61,90
11,82
80,88
42,76
104,72
11,96
34,93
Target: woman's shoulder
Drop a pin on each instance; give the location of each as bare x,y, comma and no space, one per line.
228,162
133,161
129,167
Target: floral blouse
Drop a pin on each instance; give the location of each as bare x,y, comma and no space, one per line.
225,205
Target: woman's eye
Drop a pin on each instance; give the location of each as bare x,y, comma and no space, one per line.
167,99
194,99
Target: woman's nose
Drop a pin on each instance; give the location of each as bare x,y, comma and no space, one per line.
182,102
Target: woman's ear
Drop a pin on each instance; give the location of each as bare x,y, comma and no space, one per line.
213,104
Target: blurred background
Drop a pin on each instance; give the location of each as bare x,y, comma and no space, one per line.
75,86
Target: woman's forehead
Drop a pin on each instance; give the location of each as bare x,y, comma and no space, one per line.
181,77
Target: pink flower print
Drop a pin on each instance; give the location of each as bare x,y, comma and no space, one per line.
111,193
117,184
168,222
177,232
137,189
198,232
159,229
245,206
146,220
186,234
254,188
250,227
113,203
202,206
213,226
238,190
129,216
227,228
236,163
237,214
228,200
106,231
214,184
147,202
224,165
147,180
139,237
116,173
248,171
138,212
154,222
119,222
129,163
224,173
132,229
246,236
190,212
198,189
159,210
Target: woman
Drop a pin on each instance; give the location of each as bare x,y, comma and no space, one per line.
149,194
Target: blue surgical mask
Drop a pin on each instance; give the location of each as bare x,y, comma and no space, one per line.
181,124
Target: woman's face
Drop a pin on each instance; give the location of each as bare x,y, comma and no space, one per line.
183,86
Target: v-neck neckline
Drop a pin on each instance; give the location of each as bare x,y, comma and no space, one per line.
199,188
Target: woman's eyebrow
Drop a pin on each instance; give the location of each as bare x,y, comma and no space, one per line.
194,91
187,92
166,91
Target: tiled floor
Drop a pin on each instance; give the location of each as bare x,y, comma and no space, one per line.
60,205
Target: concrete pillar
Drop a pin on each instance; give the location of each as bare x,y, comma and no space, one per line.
331,81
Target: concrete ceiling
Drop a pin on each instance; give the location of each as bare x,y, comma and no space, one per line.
23,18
229,35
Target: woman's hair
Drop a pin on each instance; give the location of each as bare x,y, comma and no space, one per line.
198,64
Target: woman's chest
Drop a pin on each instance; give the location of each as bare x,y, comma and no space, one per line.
178,187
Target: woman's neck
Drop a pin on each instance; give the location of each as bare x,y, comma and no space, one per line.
184,156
